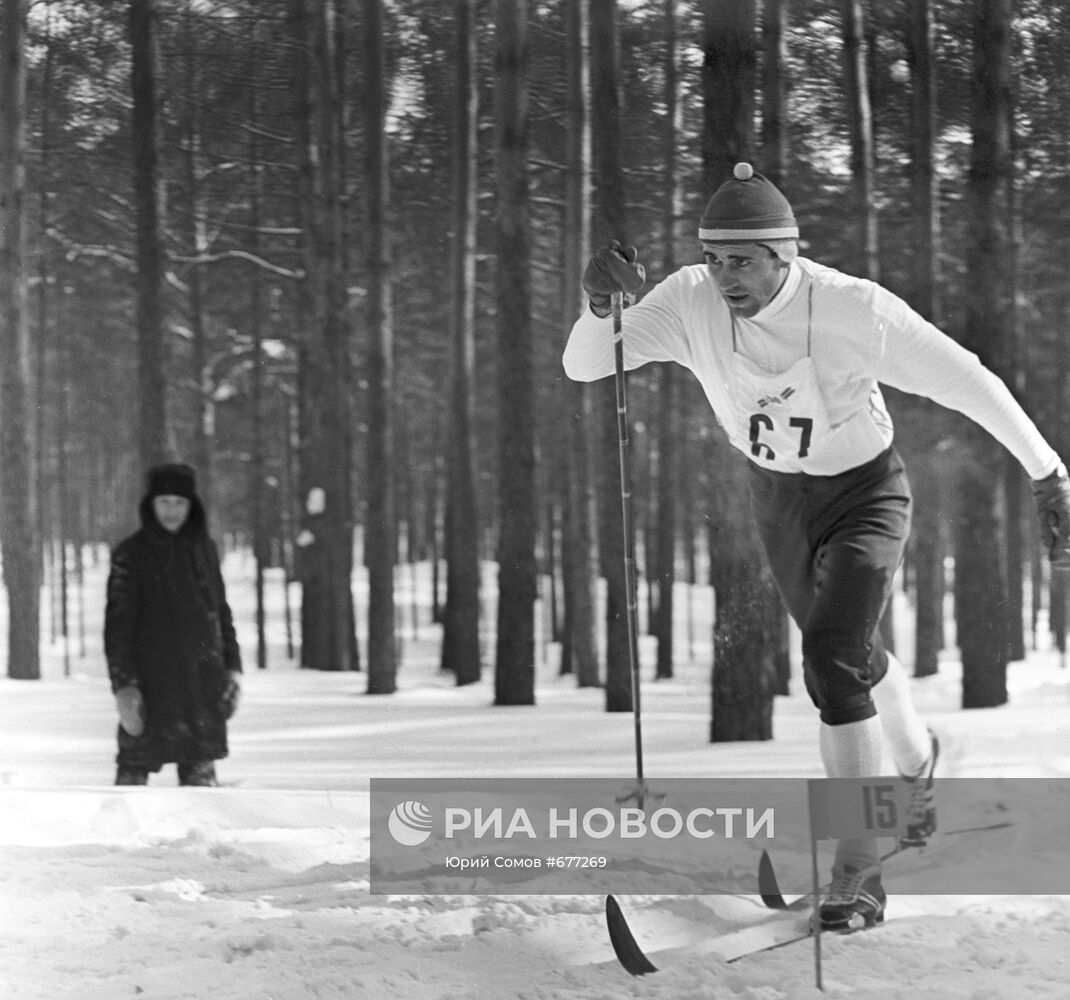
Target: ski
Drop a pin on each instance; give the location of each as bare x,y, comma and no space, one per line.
627,950
746,942
769,887
774,899
731,946
791,923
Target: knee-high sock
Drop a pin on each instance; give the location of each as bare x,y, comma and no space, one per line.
853,751
908,738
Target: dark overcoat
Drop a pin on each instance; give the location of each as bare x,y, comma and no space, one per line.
168,629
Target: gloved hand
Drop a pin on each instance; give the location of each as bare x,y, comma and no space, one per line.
131,707
231,693
1052,494
612,269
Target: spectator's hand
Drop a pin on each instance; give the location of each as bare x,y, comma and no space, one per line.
231,693
612,269
1052,495
131,707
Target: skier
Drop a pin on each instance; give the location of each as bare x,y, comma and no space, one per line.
790,354
169,639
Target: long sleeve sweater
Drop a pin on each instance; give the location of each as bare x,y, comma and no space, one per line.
857,334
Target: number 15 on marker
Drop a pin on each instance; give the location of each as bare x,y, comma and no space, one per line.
856,807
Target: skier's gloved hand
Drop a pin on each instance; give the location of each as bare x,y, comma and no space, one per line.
614,268
131,707
1052,494
231,693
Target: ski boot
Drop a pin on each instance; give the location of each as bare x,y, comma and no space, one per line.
855,899
920,803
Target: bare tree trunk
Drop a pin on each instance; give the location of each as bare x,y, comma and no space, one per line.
928,561
924,184
609,224
981,586
257,481
460,635
745,634
728,85
774,144
927,541
774,151
19,539
746,630
580,561
152,442
1013,372
514,677
326,564
1058,590
380,536
863,167
200,381
46,526
669,402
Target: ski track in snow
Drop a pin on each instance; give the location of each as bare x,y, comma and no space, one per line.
260,891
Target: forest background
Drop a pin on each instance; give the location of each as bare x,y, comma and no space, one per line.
328,251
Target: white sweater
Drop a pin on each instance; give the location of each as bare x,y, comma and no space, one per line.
861,334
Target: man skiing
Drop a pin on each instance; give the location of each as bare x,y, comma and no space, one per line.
790,354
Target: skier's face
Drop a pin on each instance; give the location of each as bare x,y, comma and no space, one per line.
171,511
747,275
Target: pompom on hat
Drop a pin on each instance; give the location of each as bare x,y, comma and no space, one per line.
748,208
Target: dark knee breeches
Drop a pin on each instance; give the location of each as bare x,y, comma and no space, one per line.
834,543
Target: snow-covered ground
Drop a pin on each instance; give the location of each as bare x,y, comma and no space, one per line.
259,890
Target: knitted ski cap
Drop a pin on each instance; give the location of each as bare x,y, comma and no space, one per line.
172,480
747,208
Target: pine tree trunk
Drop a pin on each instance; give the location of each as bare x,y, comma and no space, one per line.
1014,499
380,534
746,624
19,540
667,489
192,224
610,223
774,88
580,557
747,621
152,422
927,557
1012,370
669,397
460,637
514,679
326,563
744,674
775,24
730,59
924,187
927,541
863,167
746,630
981,586
257,483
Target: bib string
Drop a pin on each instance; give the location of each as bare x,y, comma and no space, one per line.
809,320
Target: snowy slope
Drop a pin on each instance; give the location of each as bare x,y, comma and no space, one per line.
260,889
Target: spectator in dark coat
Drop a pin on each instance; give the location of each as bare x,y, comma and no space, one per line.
173,657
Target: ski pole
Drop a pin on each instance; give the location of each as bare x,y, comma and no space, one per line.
617,303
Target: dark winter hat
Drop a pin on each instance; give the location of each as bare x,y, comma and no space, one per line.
748,208
173,480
